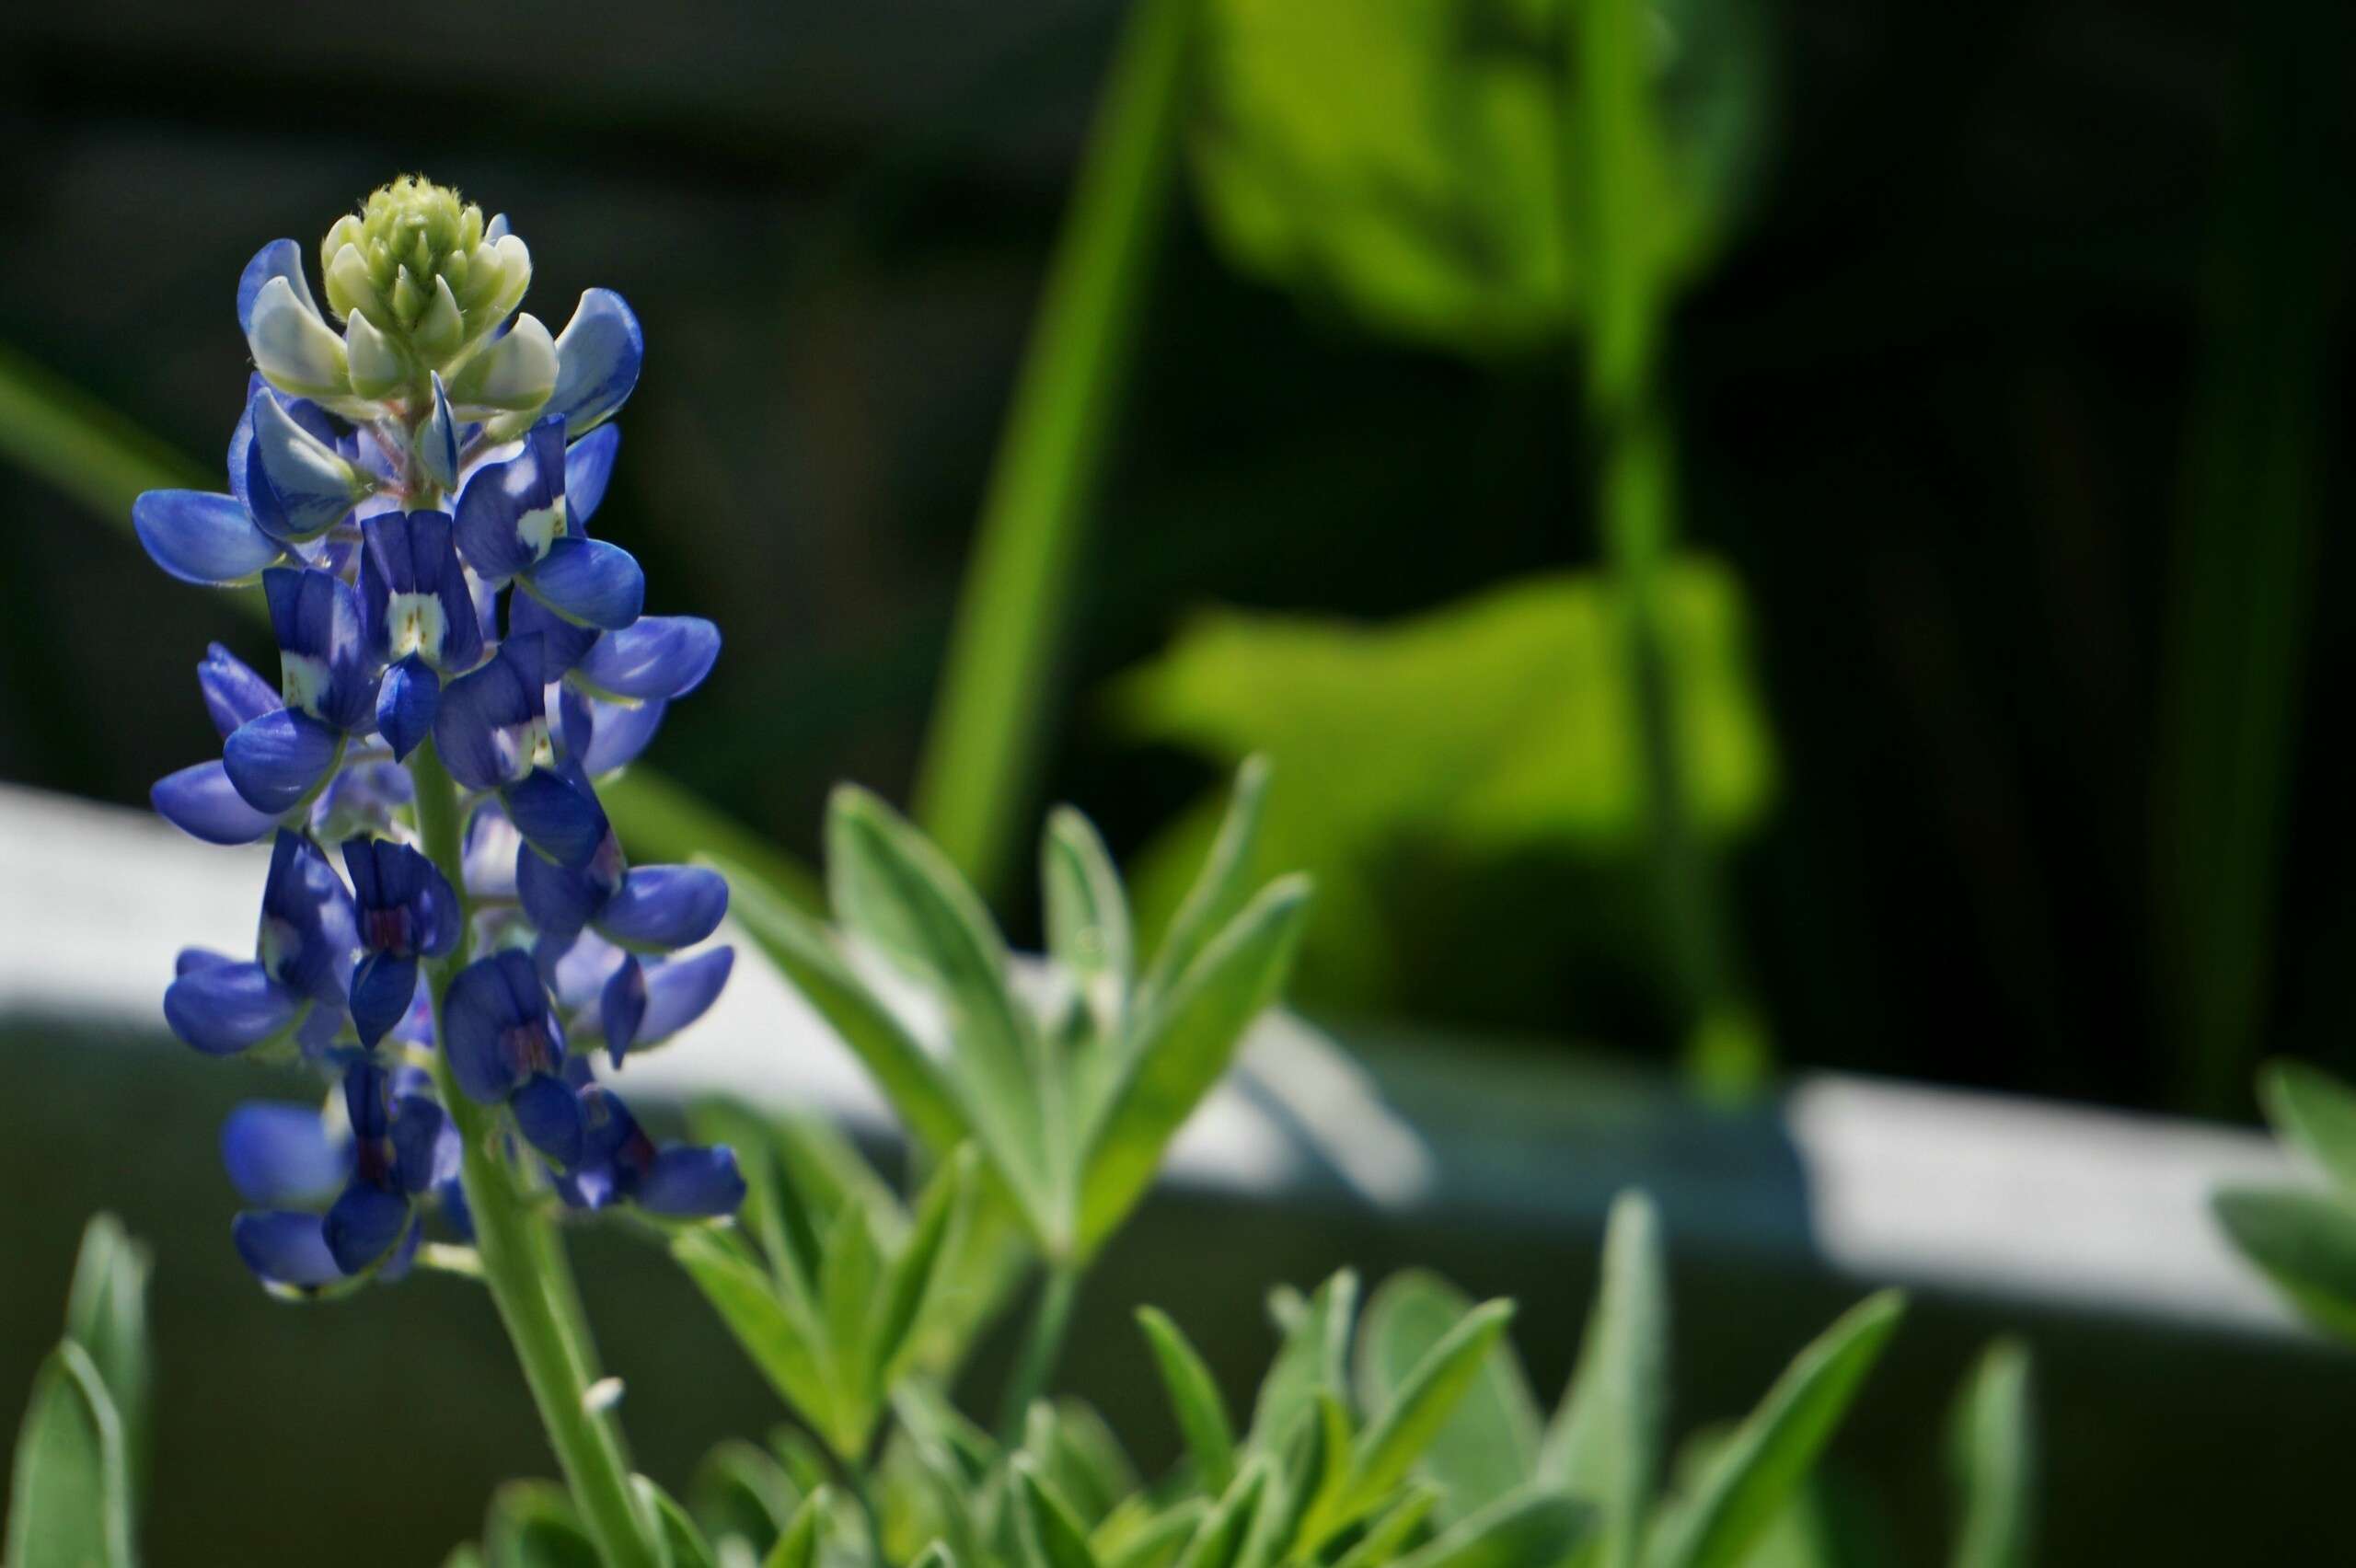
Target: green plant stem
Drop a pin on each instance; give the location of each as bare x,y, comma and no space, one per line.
981,760
1613,165
523,1261
1042,1348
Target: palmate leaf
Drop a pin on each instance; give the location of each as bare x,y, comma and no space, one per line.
1993,1455
1492,728
69,1499
1750,1479
1605,1443
1405,161
1488,1445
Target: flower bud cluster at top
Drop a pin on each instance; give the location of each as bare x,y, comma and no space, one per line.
413,494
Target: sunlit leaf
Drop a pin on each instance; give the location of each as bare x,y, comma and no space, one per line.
1404,1428
1488,1445
1220,880
1606,1440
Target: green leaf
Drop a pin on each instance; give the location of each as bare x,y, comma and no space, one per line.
1606,1440
1146,1538
1051,1535
1488,1445
773,1211
1526,1528
893,888
1406,1428
911,1279
1185,1045
69,1503
1993,1455
1220,1541
1193,1399
848,1276
739,1493
799,1546
1392,1529
1406,163
1080,1458
2317,1112
786,1344
1220,884
803,953
1747,1483
1311,1359
106,1314
682,1543
1486,732
531,1525
1088,914
937,1555
2302,1241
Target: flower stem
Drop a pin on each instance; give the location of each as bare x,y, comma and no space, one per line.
523,1260
1041,1349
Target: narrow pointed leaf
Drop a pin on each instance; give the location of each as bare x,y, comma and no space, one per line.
1051,1535
106,1314
1194,1400
2316,1112
1219,887
1514,1532
784,1344
1488,1445
683,1544
1310,1360
69,1501
2302,1241
1995,1459
1220,1539
1088,914
1154,1542
1425,1400
912,1278
799,1546
1390,1531
1749,1480
1605,1444
1186,1044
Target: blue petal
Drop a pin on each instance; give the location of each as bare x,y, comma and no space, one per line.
492,1008
425,1143
681,991
689,1181
360,800
281,1155
658,657
500,498
279,758
488,857
279,258
226,1008
285,1247
315,617
558,815
234,691
477,729
621,1008
199,538
598,358
615,735
658,908
203,803
437,440
309,935
588,463
562,643
549,1115
382,989
560,900
406,699
364,1225
589,581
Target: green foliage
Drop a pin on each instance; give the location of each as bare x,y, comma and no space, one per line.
80,1453
1071,1096
1407,162
1485,731
1992,1453
2302,1239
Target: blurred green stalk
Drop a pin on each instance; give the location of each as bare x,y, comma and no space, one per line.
980,763
104,461
2240,587
1613,168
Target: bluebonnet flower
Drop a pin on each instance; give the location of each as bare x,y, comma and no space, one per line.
410,482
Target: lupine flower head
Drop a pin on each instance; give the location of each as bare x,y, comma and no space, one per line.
411,480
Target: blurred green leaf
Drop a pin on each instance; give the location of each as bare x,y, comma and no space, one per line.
659,821
1088,913
1392,1529
1195,1399
1993,1455
683,1544
1488,1445
1488,730
1184,1048
740,1494
1080,1458
773,1328
1750,1480
799,1546
69,1501
894,889
849,1275
2305,1241
1220,1542
1402,1430
531,1525
1154,1541
913,1276
1051,1535
1308,1362
1406,160
106,1314
1606,1440
2317,1112
1221,880
1514,1532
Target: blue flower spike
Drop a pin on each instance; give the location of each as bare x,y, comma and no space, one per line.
410,478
